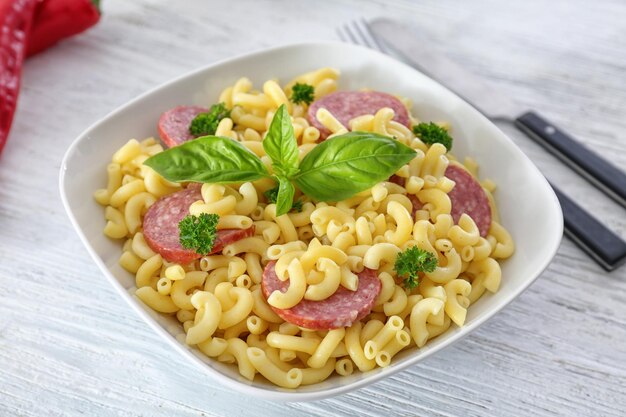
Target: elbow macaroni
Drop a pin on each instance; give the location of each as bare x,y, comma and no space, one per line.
218,299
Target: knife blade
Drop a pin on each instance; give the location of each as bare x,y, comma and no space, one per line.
597,170
604,246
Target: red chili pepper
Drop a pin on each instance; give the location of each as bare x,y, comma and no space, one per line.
59,19
16,17
28,27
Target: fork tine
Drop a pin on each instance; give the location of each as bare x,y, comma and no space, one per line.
366,28
350,35
360,34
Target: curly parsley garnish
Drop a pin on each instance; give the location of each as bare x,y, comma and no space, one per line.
430,133
302,93
412,261
206,123
297,205
271,195
199,232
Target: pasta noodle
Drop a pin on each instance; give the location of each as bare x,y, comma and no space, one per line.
322,248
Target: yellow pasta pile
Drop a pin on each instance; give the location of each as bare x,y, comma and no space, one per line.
218,299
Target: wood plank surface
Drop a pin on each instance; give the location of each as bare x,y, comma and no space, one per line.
70,346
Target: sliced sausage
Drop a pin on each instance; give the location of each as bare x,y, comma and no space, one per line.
227,236
468,197
396,179
341,309
160,227
416,203
174,124
346,105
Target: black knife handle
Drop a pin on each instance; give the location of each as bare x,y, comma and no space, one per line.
590,165
604,246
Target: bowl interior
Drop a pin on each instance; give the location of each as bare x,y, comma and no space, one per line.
527,205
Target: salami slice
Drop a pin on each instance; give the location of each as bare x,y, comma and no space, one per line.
341,309
160,227
346,105
468,197
396,179
174,124
417,204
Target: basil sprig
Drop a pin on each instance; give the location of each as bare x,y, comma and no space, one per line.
334,170
284,198
344,165
208,159
280,144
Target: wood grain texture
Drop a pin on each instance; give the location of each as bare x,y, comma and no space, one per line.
70,346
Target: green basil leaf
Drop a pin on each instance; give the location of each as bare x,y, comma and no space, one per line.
284,199
344,165
280,144
211,159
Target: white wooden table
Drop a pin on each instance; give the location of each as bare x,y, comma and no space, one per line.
70,346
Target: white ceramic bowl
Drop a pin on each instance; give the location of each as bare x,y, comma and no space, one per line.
528,207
